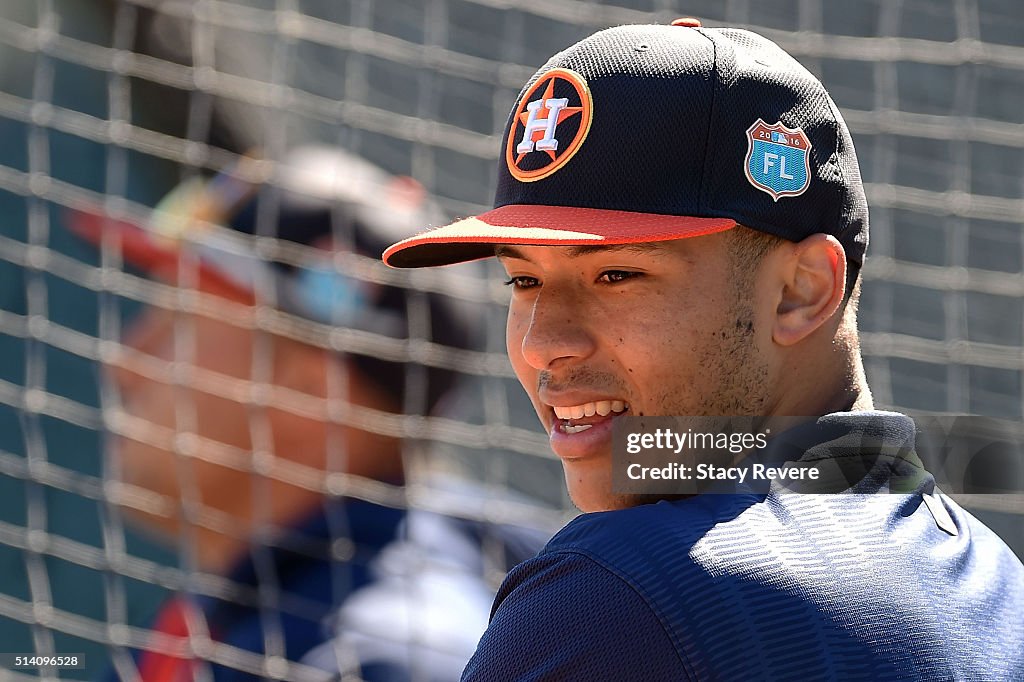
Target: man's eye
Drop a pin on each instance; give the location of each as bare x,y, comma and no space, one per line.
522,282
616,276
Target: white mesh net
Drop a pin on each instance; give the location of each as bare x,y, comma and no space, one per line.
111,104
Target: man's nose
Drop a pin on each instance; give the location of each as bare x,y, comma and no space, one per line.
558,330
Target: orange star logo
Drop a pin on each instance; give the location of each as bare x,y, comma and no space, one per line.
536,126
561,114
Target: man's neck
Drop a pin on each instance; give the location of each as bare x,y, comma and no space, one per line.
817,391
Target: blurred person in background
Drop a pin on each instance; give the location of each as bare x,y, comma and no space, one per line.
348,584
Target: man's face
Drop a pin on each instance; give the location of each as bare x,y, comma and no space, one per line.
649,329
158,407
188,380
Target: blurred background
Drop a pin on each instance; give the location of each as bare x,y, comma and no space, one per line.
113,103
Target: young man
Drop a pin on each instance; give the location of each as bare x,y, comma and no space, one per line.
681,217
225,428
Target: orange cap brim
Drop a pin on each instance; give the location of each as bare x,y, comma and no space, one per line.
475,238
162,259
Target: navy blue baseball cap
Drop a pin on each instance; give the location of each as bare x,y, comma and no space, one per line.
651,133
315,196
204,234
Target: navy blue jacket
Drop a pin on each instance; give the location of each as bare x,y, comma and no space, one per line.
865,586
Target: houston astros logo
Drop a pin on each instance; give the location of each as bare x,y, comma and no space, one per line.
778,159
549,126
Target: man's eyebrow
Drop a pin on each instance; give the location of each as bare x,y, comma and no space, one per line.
638,247
506,251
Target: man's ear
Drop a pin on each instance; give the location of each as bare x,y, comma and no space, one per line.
814,280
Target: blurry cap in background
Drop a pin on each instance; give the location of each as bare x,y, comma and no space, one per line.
206,233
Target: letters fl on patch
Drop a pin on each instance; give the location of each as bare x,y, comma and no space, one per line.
778,159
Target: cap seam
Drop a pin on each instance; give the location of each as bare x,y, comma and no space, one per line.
713,76
835,156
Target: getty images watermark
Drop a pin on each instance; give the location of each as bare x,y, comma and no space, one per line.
693,455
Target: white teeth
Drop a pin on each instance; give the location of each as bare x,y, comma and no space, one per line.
601,407
576,429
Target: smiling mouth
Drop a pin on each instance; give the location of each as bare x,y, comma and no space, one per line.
577,418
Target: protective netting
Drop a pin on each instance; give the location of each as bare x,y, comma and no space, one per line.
113,103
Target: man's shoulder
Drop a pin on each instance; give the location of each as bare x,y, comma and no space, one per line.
621,525
850,582
633,539
649,554
573,589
